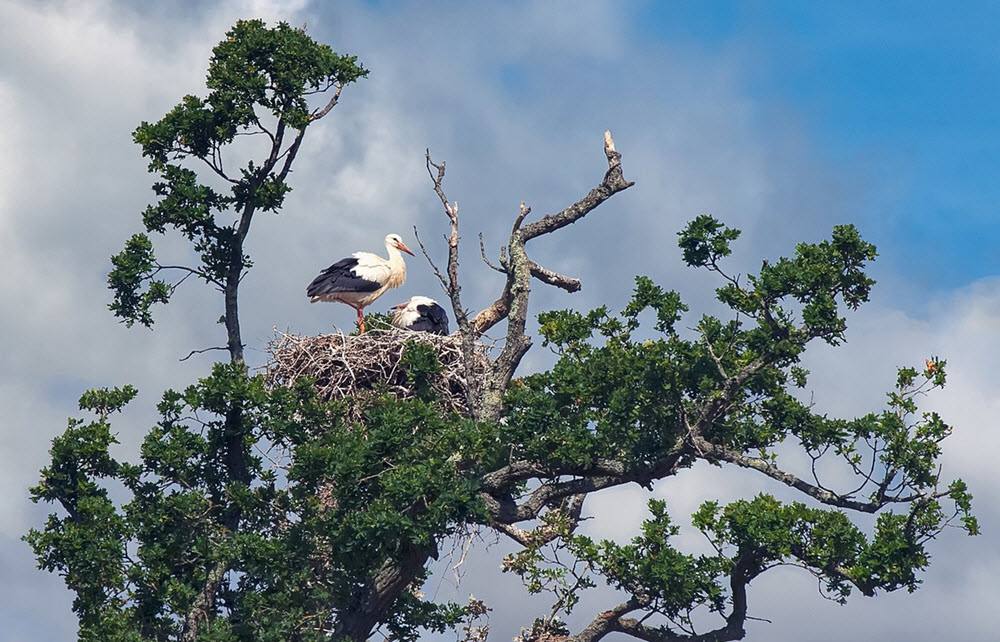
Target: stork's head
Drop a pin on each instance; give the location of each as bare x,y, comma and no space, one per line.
396,241
414,302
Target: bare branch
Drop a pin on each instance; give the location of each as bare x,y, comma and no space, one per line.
716,452
867,588
568,283
572,509
711,351
451,285
521,215
517,343
519,471
214,165
434,267
184,268
194,352
612,183
506,511
272,158
289,154
173,288
330,105
482,251
605,622
596,475
519,535
451,210
260,126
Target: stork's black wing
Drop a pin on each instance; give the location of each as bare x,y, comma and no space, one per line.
340,277
432,319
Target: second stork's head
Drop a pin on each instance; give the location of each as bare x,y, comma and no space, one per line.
421,314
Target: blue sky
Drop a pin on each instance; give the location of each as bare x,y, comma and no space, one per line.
781,118
905,94
908,90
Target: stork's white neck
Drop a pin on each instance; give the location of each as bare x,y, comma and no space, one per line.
397,266
395,256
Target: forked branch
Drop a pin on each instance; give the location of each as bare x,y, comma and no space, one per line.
451,283
612,183
512,304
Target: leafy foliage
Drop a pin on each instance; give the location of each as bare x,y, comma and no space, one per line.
317,525
255,72
133,266
726,393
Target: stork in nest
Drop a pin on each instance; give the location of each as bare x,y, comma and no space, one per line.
361,278
421,314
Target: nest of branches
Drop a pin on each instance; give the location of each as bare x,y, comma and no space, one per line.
359,367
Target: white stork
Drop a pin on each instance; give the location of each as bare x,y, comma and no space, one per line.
421,314
362,278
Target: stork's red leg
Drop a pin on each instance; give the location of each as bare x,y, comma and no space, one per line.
361,321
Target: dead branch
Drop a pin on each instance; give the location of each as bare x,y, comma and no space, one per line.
194,352
452,285
482,251
330,105
568,283
612,183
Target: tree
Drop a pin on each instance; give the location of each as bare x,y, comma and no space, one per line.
270,513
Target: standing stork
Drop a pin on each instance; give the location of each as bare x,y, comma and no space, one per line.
361,278
421,314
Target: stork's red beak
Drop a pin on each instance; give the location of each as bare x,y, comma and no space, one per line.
398,306
402,247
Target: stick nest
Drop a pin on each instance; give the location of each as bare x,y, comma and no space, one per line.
357,368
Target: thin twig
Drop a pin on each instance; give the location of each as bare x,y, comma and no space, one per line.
482,251
194,352
437,272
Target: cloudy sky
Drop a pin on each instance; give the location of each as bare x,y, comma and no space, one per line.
781,118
